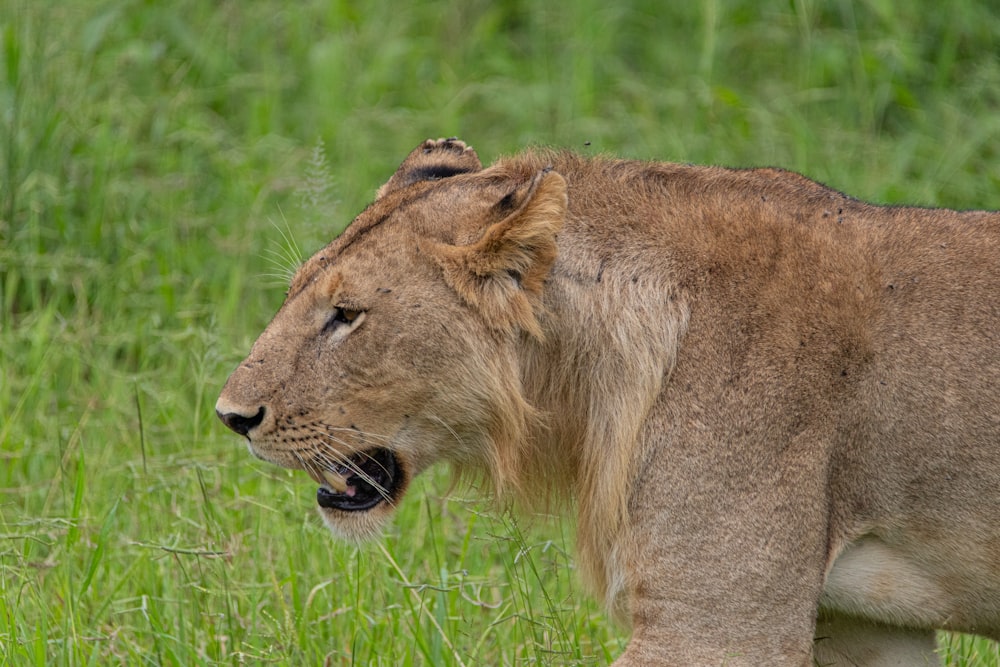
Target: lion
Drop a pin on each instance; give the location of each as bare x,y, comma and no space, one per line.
775,408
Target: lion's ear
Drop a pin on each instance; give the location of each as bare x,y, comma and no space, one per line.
431,161
502,273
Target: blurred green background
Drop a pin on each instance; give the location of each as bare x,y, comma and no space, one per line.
163,165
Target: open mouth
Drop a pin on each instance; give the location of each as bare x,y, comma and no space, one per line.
359,483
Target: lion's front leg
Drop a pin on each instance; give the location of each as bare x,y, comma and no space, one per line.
650,653
691,622
728,560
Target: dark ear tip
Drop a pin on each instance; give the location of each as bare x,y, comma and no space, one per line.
452,144
433,160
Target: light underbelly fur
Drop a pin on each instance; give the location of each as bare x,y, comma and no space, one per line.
889,584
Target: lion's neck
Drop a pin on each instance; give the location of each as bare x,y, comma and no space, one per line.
609,345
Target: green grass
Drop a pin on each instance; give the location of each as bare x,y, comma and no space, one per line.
163,164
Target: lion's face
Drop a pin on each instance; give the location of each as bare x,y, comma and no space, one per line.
393,348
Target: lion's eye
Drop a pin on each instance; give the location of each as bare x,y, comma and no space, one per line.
341,317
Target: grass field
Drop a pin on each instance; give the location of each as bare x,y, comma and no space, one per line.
162,165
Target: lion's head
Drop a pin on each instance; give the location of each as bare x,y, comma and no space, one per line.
394,347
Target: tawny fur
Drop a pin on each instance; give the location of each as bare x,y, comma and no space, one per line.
776,409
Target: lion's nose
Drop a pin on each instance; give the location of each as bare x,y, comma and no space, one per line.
241,423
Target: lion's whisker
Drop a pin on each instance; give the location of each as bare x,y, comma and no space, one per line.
348,463
367,435
448,428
